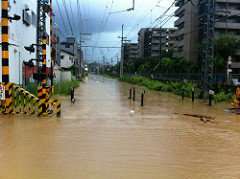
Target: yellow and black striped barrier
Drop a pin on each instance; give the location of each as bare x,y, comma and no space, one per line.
23,102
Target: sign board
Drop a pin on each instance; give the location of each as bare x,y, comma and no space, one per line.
2,92
229,58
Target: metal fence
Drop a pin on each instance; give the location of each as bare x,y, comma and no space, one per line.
193,77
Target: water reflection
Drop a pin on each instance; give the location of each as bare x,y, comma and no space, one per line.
99,137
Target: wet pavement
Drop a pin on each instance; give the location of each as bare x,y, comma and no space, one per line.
106,135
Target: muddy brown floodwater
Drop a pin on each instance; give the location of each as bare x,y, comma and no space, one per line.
106,135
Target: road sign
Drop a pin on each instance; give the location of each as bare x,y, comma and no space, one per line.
229,58
2,92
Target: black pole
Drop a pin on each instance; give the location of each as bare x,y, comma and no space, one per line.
134,94
142,97
182,94
193,94
72,94
210,100
130,94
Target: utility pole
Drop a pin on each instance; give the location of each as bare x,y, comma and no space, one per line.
121,62
160,48
41,29
51,47
208,45
122,52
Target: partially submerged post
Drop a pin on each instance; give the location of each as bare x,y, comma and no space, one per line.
142,96
134,93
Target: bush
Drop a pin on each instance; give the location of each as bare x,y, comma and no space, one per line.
65,87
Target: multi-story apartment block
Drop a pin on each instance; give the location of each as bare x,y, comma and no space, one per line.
187,34
23,33
190,24
227,17
130,51
152,40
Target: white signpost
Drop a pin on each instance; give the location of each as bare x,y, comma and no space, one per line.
2,92
229,69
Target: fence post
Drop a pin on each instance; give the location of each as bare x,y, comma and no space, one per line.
142,96
193,93
134,93
130,94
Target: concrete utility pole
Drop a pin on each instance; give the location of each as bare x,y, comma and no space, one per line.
121,62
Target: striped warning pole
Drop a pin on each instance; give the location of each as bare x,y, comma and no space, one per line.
5,60
5,57
44,82
52,87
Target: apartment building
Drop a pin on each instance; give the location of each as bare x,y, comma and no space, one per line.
152,40
23,33
187,35
227,17
190,24
130,51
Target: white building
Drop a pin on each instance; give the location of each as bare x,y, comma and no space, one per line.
67,59
22,33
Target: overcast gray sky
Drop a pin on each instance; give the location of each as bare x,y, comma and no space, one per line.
103,19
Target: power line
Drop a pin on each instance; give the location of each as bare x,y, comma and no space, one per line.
73,18
62,18
64,3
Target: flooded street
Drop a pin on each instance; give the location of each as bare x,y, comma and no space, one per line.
106,135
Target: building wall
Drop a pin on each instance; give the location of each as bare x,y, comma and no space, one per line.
130,51
67,59
149,40
187,34
22,34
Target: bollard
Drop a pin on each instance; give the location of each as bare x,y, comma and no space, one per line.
142,96
130,94
72,94
193,93
211,93
182,94
134,93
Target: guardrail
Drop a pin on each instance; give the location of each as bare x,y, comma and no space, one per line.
19,101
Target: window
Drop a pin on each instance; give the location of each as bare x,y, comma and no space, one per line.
67,46
62,56
34,19
71,59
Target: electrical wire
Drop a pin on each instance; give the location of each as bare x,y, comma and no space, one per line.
59,10
64,4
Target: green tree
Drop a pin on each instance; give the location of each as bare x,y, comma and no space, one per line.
226,45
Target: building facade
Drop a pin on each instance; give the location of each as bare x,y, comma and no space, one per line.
153,40
191,20
130,51
187,35
23,33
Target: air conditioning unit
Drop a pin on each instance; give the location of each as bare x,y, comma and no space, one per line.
26,17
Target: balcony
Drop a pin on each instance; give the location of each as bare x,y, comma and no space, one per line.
223,25
229,1
178,22
179,10
179,2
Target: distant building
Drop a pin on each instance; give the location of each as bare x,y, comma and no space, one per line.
70,46
130,51
191,20
152,40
